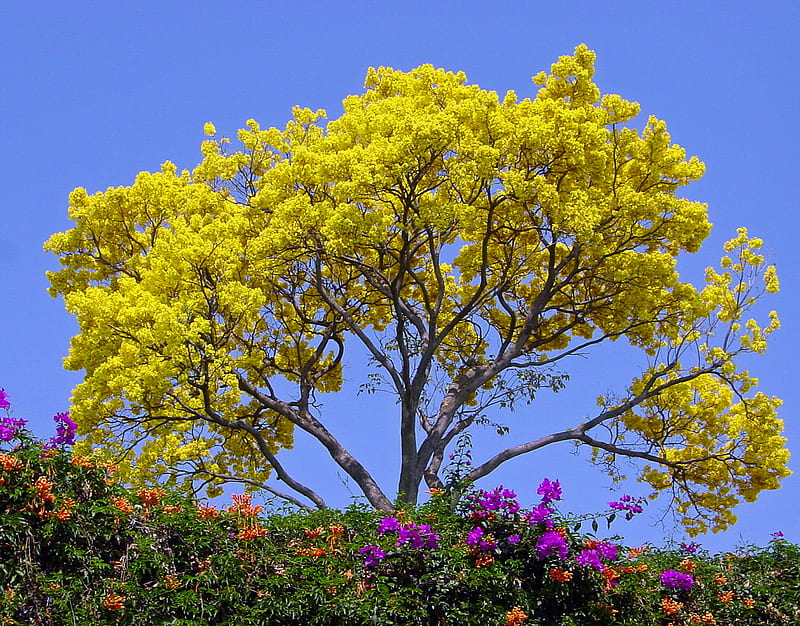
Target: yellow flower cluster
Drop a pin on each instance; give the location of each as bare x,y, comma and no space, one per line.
434,222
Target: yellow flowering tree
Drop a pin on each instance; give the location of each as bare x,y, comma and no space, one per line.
470,244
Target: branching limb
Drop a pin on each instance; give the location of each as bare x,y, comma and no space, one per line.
650,390
338,452
255,483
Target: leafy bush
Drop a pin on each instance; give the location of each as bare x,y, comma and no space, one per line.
76,547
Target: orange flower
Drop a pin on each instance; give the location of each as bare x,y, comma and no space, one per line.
113,601
484,559
243,504
172,509
313,534
82,461
9,463
241,500
206,512
749,603
251,533
608,608
435,492
720,579
670,606
336,529
43,489
515,616
636,552
150,497
705,618
171,582
725,596
642,567
62,515
121,504
562,576
687,565
611,575
314,552
203,565
109,467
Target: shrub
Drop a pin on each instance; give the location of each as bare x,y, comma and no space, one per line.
76,547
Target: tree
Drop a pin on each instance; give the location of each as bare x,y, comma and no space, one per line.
469,244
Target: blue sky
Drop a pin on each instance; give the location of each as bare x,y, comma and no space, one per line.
93,93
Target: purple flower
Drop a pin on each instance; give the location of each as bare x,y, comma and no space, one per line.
514,538
408,534
608,550
475,539
590,558
549,490
9,427
387,524
417,537
4,403
65,430
539,514
689,548
431,538
487,504
676,580
373,555
629,504
474,536
551,542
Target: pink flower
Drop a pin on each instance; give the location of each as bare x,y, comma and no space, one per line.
551,542
632,506
539,514
676,580
387,524
590,558
475,540
549,490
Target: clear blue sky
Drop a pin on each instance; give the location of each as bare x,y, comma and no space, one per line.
93,93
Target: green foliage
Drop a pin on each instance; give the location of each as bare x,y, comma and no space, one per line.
77,548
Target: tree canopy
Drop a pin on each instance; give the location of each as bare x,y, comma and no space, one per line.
470,244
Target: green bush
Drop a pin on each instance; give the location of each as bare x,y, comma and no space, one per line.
78,548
